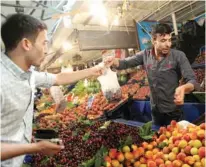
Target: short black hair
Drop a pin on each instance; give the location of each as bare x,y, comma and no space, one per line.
161,29
19,26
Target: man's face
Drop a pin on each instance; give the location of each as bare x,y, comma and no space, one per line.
39,49
162,43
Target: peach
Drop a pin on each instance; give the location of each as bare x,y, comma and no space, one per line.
193,135
154,143
170,128
197,164
201,152
162,165
142,160
113,153
155,150
134,147
148,154
197,143
149,146
162,130
162,137
175,150
159,161
107,159
190,160
177,163
173,123
129,156
120,157
181,156
168,162
176,144
126,149
168,134
202,126
136,154
196,158
159,155
203,161
201,134
166,157
172,156
186,137
151,163
194,151
166,150
144,145
187,149
108,164
186,165
141,150
143,165
137,164
115,163
182,144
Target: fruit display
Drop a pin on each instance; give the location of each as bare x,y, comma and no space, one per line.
81,89
200,59
82,140
122,78
143,93
139,76
173,146
99,106
200,77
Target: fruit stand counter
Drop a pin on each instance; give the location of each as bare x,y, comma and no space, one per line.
140,111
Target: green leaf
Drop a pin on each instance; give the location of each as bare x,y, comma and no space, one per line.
146,131
98,162
162,145
45,160
89,163
106,124
86,136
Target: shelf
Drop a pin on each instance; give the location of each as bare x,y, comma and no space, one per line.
201,65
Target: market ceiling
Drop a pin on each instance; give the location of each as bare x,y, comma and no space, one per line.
65,18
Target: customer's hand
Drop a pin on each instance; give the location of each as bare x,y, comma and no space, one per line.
96,70
48,148
110,61
179,95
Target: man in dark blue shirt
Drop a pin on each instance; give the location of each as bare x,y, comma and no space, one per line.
164,67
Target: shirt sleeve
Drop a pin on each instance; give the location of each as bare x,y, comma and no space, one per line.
186,71
44,79
132,61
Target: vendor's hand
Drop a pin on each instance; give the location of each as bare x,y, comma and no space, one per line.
111,60
179,95
48,148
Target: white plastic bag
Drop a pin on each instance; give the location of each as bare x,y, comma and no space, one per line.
184,124
110,85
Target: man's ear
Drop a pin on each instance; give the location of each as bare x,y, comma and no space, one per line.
153,40
26,44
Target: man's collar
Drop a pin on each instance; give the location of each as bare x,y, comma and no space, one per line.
13,68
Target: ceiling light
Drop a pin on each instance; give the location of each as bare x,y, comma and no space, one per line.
66,46
116,21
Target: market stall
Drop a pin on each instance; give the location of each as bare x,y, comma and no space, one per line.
107,121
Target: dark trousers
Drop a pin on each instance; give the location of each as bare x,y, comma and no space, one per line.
163,119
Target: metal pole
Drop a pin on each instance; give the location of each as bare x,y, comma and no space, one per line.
174,23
